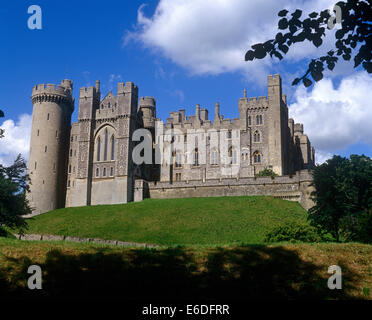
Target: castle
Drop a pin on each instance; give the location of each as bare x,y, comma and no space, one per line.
91,161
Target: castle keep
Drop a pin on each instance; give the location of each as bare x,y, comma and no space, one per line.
91,161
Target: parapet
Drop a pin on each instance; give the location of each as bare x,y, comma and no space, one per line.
299,128
274,80
147,102
128,87
51,92
66,83
52,89
87,92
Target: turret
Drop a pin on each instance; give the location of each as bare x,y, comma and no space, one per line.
197,112
50,132
147,106
217,111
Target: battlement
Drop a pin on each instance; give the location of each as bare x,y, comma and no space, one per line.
126,87
274,80
87,92
64,89
261,100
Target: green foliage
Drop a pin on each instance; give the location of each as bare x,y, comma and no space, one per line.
353,37
188,221
357,228
293,232
266,173
1,113
343,197
13,188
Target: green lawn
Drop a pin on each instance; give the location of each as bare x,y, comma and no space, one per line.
191,221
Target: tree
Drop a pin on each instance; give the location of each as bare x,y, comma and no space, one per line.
354,38
13,188
343,192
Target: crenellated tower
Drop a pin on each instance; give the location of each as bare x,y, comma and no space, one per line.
51,124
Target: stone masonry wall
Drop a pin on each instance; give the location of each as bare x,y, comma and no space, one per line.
295,188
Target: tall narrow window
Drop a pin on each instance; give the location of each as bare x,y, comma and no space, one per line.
259,119
104,172
99,149
97,172
178,160
111,171
232,156
249,120
106,142
196,158
112,148
48,116
214,157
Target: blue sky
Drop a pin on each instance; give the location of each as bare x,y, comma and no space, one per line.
180,52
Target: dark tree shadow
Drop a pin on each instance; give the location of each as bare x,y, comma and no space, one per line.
251,272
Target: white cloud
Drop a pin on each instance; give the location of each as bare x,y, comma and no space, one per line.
212,36
322,156
336,117
16,139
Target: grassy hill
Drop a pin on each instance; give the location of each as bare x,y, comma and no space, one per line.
191,221
286,271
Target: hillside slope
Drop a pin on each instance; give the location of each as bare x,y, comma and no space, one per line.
202,221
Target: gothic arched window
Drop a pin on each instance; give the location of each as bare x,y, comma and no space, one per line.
257,137
249,120
257,157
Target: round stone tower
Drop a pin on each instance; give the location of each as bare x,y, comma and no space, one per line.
148,107
49,147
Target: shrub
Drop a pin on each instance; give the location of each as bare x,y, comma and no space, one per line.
293,232
266,173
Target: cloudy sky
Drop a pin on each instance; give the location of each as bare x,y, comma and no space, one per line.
183,52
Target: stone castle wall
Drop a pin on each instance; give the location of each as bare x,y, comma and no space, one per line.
293,188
